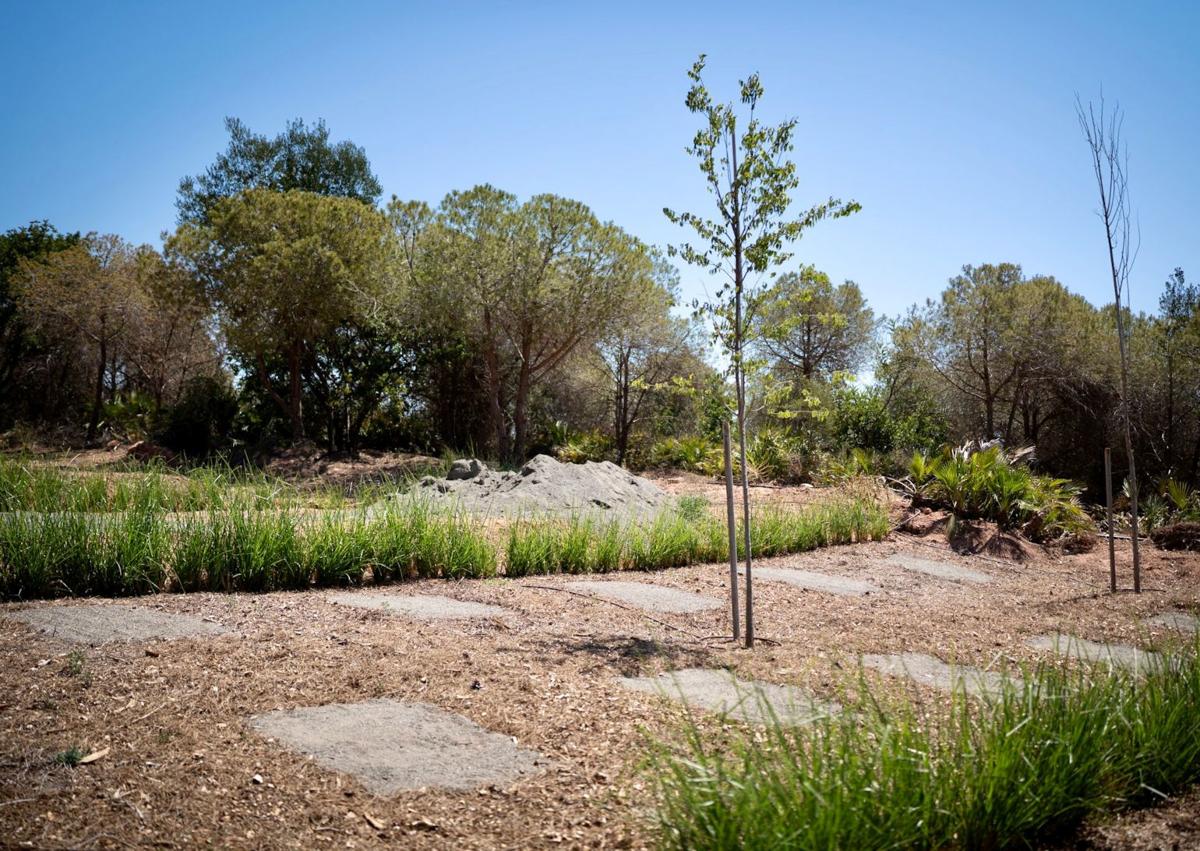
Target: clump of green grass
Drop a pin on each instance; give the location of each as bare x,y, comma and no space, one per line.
1027,766
71,757
411,539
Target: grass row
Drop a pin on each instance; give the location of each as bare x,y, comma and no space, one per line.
47,555
143,550
1027,767
588,545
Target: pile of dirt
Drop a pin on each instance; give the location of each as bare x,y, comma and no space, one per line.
547,486
1177,536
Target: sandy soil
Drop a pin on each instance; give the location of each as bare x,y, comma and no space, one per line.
181,765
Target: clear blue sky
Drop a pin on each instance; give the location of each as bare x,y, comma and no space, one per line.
952,123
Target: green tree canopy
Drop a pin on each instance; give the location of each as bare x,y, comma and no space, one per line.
301,157
284,269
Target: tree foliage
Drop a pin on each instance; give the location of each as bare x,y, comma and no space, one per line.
283,270
301,157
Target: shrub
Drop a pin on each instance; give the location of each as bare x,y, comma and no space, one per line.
985,484
587,446
693,454
201,420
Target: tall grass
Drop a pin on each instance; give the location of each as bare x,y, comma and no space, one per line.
243,549
1028,766
28,486
674,539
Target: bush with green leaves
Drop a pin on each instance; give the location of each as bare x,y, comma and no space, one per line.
693,454
584,446
986,484
861,419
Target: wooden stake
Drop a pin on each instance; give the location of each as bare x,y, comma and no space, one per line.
1112,546
731,520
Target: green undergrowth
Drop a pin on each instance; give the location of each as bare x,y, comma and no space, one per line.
1024,768
28,486
589,545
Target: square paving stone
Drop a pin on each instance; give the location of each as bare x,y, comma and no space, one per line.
1072,647
1185,621
654,598
746,700
100,624
390,746
823,582
933,672
421,607
940,569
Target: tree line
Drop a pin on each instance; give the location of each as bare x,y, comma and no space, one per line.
291,302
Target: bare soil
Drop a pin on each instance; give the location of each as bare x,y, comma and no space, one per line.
182,765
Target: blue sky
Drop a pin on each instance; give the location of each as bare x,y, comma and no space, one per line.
952,123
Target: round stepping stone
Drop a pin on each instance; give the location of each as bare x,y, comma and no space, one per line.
390,746
1072,647
746,700
99,624
1176,620
933,672
811,581
653,598
421,607
940,569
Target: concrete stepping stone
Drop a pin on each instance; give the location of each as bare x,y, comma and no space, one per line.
745,700
101,624
1072,647
421,607
1176,620
940,569
653,598
390,746
823,582
933,672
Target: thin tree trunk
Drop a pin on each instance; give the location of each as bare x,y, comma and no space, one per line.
739,379
731,523
520,416
295,395
98,392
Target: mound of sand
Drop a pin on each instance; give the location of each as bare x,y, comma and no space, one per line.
547,486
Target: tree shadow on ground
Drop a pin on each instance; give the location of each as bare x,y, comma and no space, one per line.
629,655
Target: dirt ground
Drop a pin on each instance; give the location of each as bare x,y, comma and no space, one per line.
182,767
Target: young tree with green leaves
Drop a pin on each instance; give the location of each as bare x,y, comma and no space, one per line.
751,178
